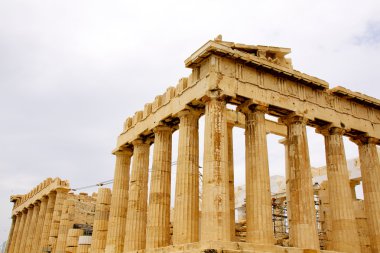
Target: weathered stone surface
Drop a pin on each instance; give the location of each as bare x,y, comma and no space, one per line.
259,200
345,236
370,167
303,230
119,203
186,207
158,217
135,234
100,228
215,223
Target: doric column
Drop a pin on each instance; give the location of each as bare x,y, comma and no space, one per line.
287,176
12,242
11,231
215,222
258,195
40,225
100,228
302,207
25,233
344,233
67,222
20,231
231,177
44,243
135,234
186,206
54,229
119,202
370,169
32,227
158,220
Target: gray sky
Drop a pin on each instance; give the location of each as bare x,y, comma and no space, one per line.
72,71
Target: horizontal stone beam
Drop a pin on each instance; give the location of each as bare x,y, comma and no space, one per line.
53,186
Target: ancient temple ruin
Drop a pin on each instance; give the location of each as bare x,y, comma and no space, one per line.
259,81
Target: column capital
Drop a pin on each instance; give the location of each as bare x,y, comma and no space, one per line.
123,151
37,202
62,190
162,128
189,111
51,194
252,106
141,141
284,141
214,95
330,130
293,118
364,139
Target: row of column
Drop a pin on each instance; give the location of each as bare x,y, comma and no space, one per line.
32,228
134,225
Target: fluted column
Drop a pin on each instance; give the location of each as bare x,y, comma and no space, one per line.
344,231
32,227
370,169
12,242
54,229
40,225
158,220
135,234
287,176
20,231
44,243
119,203
186,206
231,178
302,207
67,222
215,225
11,231
25,233
100,228
258,195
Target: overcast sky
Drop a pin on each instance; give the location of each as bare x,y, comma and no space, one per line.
72,71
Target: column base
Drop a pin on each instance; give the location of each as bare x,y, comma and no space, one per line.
229,247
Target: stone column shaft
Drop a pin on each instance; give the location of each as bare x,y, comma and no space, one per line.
258,195
100,228
25,233
119,203
215,222
302,206
12,243
44,243
11,232
370,168
40,225
67,222
135,235
186,206
231,177
32,227
287,176
345,236
158,219
54,229
20,231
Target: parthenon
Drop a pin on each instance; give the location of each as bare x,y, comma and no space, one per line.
257,81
